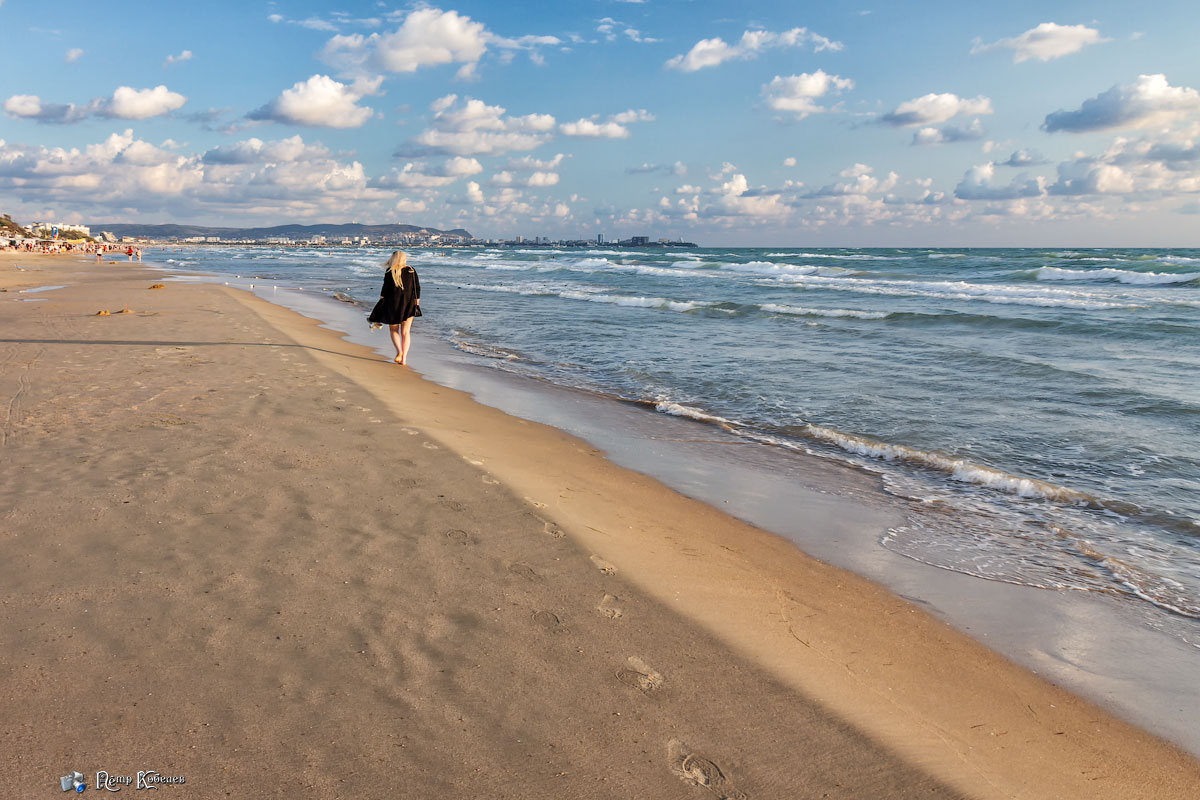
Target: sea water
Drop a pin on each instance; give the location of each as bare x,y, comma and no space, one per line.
1036,412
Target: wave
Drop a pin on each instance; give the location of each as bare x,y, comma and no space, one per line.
961,290
775,308
957,469
1118,275
1177,259
771,268
541,290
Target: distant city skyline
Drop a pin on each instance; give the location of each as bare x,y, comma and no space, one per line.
899,124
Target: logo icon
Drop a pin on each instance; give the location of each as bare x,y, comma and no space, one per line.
72,781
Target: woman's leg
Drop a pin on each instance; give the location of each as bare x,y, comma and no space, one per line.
395,331
406,338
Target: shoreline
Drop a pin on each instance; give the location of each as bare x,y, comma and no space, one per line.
1087,643
939,700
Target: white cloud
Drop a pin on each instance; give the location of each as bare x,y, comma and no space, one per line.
790,161
931,109
1045,42
427,37
186,55
530,164
423,176
409,206
320,101
612,128
125,103
129,103
797,94
977,185
1024,158
950,133
533,179
256,151
1149,100
711,52
74,54
594,130
475,128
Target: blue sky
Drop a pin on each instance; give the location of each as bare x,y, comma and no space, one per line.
905,123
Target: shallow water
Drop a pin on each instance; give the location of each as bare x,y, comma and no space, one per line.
1037,409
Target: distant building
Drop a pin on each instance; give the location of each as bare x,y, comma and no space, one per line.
599,238
639,241
47,227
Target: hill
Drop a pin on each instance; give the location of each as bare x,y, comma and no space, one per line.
10,228
332,231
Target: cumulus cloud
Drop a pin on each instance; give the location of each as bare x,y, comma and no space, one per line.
472,127
186,55
1160,164
126,173
125,103
790,161
129,103
1149,100
424,176
320,101
612,128
74,54
1045,42
930,109
950,133
256,151
797,94
426,37
711,52
534,179
977,185
1024,158
531,164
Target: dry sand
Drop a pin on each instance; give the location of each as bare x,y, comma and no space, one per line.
239,549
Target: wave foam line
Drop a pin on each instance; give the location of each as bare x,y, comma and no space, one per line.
1118,275
961,290
958,469
775,308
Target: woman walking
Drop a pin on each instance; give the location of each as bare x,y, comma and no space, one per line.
399,302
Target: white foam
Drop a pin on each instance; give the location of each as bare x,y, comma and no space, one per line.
799,311
679,410
961,290
957,468
1119,275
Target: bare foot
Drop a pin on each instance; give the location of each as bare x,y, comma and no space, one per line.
398,360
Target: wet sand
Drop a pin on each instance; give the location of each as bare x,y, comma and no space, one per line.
244,551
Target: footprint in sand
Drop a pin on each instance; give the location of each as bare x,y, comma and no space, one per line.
553,531
454,505
548,621
640,675
524,570
409,431
488,479
430,446
460,536
534,503
697,770
603,566
610,607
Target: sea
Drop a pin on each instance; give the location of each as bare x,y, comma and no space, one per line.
1037,411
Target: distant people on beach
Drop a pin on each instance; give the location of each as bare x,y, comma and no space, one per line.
399,302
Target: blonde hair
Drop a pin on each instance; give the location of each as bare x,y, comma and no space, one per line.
396,265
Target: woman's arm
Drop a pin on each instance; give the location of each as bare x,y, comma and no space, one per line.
416,287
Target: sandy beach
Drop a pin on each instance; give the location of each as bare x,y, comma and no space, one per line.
241,550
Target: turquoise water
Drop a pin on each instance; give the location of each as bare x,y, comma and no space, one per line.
1037,411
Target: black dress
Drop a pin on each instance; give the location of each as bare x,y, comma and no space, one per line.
396,304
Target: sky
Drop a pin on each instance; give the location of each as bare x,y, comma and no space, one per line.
922,123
